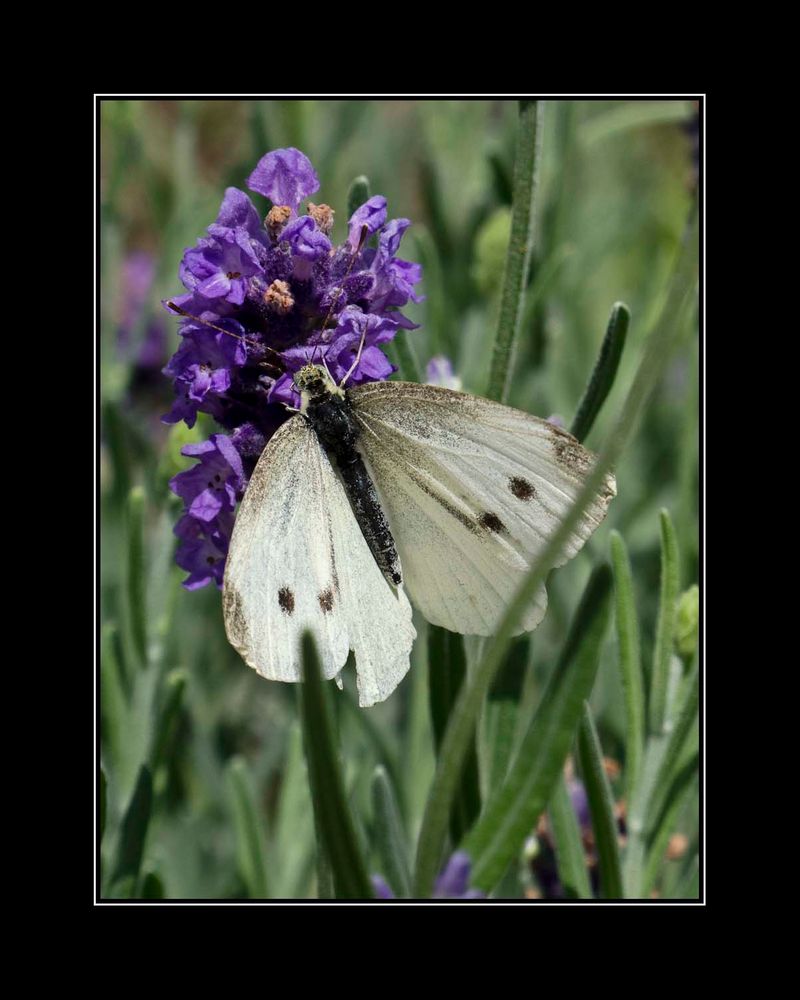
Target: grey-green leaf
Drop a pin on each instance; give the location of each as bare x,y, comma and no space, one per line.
250,839
665,628
630,661
390,838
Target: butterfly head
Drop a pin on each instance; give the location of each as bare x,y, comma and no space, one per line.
314,382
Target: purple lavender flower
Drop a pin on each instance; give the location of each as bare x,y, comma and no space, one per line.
452,883
262,299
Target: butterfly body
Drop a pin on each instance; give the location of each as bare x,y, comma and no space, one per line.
328,410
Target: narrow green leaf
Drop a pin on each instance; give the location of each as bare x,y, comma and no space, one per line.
601,806
570,855
293,828
174,687
357,194
604,372
134,828
390,839
502,711
674,742
519,249
250,841
102,802
511,814
335,826
660,762
660,344
665,628
152,887
135,576
448,668
663,828
630,662
112,698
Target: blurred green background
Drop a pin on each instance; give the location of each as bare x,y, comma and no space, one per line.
223,745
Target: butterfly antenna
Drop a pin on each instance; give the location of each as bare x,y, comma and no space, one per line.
250,343
362,239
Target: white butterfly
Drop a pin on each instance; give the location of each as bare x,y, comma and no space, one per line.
471,491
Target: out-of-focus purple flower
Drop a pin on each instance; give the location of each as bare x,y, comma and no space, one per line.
285,176
262,299
138,273
144,349
439,371
556,420
452,883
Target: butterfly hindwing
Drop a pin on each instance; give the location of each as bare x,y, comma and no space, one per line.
473,490
297,561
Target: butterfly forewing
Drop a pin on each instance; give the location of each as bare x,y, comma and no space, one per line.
473,490
297,561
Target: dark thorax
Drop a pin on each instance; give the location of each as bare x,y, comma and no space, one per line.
328,410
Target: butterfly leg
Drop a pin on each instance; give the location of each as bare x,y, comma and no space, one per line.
358,358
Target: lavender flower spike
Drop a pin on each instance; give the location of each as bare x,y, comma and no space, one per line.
263,298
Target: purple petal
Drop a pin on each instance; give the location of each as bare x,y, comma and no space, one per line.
390,237
206,505
285,176
283,391
305,239
215,287
371,214
237,210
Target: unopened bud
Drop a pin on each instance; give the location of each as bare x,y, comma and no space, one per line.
322,215
276,219
278,297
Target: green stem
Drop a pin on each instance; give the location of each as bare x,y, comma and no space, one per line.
519,249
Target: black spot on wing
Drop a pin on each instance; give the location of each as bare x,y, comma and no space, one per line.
286,600
572,456
326,600
492,522
521,488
